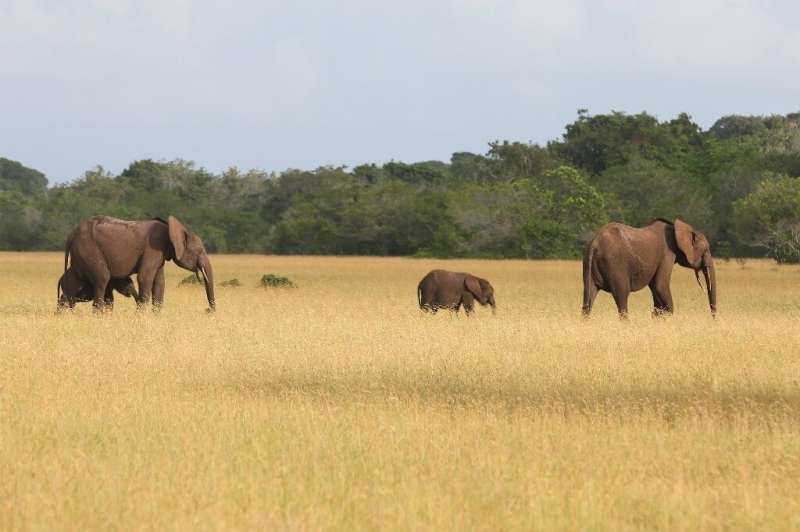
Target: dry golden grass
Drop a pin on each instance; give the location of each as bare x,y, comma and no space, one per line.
337,405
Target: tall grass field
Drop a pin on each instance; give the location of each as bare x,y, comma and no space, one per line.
338,405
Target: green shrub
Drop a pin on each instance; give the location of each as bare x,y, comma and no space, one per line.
190,279
276,281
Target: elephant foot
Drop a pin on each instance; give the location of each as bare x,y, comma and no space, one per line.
660,313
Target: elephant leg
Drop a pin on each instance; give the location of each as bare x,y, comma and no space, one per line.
662,297
67,301
662,301
158,289
468,301
589,295
109,297
64,304
100,284
621,299
145,279
69,285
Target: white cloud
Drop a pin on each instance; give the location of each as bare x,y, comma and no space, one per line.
714,34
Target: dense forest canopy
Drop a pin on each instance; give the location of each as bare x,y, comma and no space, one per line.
737,182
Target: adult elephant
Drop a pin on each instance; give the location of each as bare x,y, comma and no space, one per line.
104,248
444,289
621,259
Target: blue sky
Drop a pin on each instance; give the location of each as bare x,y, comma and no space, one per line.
272,85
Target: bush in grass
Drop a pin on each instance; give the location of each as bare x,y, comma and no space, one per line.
276,281
231,283
190,280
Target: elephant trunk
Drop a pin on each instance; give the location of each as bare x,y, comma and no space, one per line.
711,282
208,276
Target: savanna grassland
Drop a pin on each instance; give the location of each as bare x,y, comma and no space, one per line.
338,405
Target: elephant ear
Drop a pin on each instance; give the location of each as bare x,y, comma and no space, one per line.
177,235
684,235
471,283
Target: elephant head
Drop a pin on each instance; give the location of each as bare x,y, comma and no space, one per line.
695,253
482,290
190,254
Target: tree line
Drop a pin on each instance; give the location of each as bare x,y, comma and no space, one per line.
737,182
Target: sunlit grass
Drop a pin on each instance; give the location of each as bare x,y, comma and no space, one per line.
337,404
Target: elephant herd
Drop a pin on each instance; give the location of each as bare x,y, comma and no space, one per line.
102,253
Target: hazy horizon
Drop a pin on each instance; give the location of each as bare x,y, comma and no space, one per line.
272,86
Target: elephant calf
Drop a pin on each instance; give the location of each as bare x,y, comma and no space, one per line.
72,289
451,290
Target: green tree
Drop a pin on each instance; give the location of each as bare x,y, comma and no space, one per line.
394,218
539,217
14,177
598,142
573,210
774,133
428,172
643,190
513,160
20,223
769,218
466,166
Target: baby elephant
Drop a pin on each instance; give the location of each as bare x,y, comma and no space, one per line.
450,290
72,289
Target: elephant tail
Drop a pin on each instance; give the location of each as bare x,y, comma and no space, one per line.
66,250
589,286
67,245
